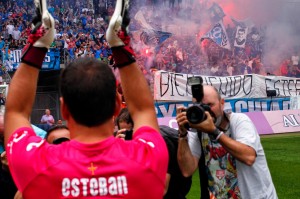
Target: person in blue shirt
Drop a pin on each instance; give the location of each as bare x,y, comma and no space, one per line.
2,43
97,51
83,20
51,10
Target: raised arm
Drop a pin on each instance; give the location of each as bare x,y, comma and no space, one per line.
242,152
22,88
136,90
187,162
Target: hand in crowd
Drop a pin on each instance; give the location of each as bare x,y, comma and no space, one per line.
4,161
18,195
121,134
181,120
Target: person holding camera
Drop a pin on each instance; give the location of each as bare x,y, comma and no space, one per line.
235,162
93,164
125,125
177,186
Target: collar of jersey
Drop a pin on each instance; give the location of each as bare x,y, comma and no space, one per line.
93,146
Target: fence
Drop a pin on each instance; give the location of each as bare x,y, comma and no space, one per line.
43,101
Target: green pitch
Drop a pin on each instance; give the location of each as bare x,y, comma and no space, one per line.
283,156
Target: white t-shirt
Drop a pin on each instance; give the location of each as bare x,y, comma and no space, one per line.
10,29
16,34
254,181
214,69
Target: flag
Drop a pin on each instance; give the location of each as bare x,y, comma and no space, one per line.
216,13
139,17
240,37
218,35
154,37
246,23
149,36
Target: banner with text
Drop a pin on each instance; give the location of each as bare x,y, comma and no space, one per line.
12,59
173,86
168,109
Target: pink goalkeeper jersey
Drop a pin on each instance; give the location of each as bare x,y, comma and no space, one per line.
112,168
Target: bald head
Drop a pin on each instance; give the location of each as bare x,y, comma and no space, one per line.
47,112
213,99
211,93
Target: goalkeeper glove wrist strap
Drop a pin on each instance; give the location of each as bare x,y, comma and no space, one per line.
34,56
122,56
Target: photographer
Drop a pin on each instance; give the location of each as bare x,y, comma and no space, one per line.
177,186
235,162
125,125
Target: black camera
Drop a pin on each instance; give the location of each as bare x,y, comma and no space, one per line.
196,113
128,134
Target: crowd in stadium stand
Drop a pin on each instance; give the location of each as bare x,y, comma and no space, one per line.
81,27
79,31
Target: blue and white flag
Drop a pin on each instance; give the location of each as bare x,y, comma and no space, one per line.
154,37
218,35
149,36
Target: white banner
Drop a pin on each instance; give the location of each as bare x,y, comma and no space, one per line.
173,86
295,102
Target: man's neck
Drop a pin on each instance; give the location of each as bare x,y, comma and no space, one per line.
86,134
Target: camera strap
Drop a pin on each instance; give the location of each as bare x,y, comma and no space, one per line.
228,123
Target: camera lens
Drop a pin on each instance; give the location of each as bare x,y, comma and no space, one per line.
195,114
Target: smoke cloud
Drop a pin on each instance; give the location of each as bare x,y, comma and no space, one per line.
277,21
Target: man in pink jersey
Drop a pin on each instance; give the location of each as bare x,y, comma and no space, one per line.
94,164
